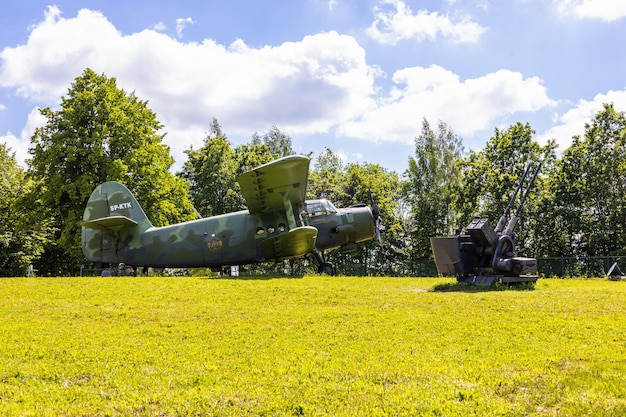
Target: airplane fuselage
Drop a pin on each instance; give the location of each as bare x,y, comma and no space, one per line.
228,239
278,224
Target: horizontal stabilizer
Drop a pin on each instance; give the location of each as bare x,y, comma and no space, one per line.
114,223
297,242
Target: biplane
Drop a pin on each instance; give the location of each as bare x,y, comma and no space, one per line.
279,224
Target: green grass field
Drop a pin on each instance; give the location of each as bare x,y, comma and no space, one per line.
311,346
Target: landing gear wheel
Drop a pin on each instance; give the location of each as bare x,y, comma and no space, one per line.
326,268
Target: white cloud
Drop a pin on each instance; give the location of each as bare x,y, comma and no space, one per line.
160,27
57,51
312,86
16,146
572,122
438,94
607,10
20,145
399,23
181,23
303,87
347,156
482,5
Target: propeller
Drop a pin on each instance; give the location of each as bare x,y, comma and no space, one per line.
378,221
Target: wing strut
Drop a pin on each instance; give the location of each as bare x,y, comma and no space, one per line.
291,218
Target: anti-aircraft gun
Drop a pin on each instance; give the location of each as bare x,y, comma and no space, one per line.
484,255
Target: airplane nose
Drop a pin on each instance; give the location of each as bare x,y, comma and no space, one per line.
365,224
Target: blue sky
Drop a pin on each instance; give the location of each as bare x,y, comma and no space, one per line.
356,76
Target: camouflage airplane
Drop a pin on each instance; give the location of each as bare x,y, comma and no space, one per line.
279,224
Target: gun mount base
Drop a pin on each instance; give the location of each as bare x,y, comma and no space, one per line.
521,279
475,264
488,280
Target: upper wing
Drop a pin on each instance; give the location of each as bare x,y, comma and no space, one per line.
270,187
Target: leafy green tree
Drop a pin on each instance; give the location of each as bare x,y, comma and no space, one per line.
359,181
326,178
251,155
212,174
433,183
100,133
212,170
587,189
350,184
11,178
278,142
262,149
21,242
490,177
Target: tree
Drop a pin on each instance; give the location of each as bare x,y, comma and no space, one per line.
326,178
587,212
278,142
213,169
433,184
100,133
490,177
251,155
11,178
358,182
264,148
20,241
212,174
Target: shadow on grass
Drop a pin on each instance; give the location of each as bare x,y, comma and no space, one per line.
469,288
252,277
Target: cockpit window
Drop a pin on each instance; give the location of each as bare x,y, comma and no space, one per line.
319,207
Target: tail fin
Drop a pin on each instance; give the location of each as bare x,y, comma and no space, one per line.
113,219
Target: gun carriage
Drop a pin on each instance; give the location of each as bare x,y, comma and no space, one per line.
484,255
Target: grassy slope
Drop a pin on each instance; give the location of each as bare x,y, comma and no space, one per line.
311,346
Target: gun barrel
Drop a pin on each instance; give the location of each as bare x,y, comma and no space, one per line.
500,226
514,219
530,185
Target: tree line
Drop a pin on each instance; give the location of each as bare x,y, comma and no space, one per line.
102,133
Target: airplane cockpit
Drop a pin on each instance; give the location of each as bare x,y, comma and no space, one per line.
319,207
